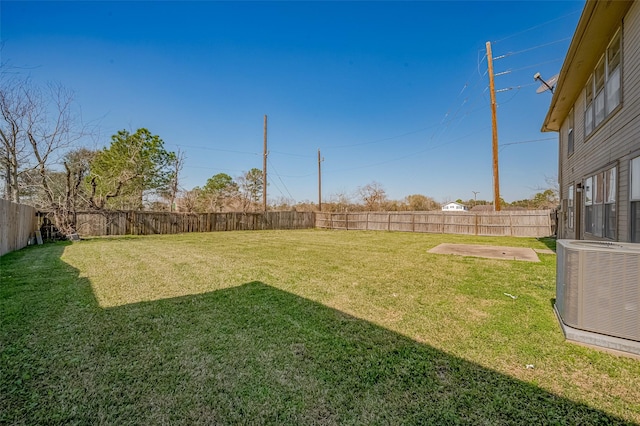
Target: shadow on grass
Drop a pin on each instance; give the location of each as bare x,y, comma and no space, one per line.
252,354
550,242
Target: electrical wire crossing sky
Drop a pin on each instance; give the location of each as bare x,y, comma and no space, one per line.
389,92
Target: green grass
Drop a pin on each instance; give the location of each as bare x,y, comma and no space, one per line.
294,327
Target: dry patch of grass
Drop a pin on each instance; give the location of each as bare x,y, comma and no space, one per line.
295,327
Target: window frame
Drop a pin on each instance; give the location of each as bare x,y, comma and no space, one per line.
600,203
634,200
570,134
600,102
570,207
610,183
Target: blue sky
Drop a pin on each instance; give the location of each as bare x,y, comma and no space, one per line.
392,92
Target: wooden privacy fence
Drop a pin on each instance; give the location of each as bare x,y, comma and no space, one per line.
145,223
517,223
17,223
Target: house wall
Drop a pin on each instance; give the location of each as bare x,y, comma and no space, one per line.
614,143
455,207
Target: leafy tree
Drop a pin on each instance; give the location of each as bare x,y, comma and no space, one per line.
219,190
250,184
134,164
170,193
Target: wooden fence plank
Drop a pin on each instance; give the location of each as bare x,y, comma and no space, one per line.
147,223
535,223
530,223
17,223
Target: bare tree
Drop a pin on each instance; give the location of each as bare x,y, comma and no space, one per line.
36,128
339,201
373,195
14,111
419,202
188,200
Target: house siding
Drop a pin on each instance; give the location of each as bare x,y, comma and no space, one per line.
614,143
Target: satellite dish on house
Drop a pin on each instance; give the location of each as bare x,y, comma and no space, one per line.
546,85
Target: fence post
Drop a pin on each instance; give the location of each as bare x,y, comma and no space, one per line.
388,221
476,233
510,225
367,225
128,223
346,221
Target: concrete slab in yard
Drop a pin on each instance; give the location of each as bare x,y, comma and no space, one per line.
491,252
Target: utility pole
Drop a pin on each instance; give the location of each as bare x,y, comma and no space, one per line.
264,168
475,199
494,132
320,160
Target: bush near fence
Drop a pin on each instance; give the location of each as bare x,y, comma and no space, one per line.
18,222
517,223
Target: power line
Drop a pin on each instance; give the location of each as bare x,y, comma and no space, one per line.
466,107
522,86
206,148
535,27
276,185
413,154
448,121
509,71
279,178
290,154
381,140
528,141
506,55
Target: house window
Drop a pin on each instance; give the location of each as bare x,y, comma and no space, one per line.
588,205
613,74
600,204
588,112
598,208
610,203
602,92
635,200
570,133
570,208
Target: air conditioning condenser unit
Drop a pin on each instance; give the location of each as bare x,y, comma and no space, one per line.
598,291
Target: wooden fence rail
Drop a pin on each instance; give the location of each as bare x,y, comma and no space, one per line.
145,223
17,223
517,223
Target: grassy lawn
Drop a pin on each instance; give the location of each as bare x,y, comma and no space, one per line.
294,327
